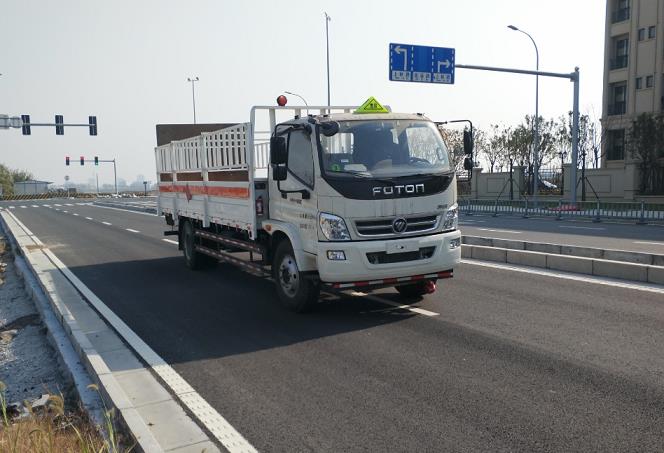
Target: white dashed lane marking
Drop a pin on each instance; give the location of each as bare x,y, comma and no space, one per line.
582,228
35,206
107,223
132,231
88,218
23,207
500,231
75,214
170,241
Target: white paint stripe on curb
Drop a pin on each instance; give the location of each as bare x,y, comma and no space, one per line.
648,287
232,440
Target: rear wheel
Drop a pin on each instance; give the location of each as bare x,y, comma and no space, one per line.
295,291
417,289
192,258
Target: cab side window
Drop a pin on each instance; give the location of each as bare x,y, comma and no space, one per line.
300,157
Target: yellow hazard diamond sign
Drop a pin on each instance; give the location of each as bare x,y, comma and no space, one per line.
371,105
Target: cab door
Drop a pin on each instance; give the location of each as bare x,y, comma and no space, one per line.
293,200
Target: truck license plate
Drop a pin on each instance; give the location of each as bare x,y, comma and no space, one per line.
401,247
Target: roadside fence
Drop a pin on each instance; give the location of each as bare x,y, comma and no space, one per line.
639,211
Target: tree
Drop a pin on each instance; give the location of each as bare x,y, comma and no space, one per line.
454,141
21,175
645,143
6,180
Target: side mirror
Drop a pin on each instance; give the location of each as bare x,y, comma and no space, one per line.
279,173
329,128
278,152
468,164
467,142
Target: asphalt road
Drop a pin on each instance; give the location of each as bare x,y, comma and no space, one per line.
512,361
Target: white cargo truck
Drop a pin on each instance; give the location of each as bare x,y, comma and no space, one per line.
346,198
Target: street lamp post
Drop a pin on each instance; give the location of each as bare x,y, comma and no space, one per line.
536,124
327,42
193,94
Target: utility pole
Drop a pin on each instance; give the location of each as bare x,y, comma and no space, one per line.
193,94
327,41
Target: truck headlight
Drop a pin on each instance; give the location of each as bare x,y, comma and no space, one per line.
333,227
451,219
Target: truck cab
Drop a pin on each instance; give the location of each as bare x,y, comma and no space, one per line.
365,200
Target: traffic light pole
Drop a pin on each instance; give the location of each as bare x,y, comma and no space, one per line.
115,172
573,77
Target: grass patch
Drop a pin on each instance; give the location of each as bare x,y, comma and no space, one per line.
51,429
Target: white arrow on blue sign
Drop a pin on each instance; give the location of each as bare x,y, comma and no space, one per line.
411,63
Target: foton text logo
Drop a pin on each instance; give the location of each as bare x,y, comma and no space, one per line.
398,190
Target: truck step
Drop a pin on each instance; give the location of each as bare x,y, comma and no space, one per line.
248,266
236,243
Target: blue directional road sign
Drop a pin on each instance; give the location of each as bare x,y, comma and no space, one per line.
411,63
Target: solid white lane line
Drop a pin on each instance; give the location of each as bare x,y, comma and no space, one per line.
207,415
581,228
106,223
649,243
500,231
171,241
648,287
88,218
132,231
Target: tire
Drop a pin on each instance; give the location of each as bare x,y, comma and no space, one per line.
193,260
295,291
418,289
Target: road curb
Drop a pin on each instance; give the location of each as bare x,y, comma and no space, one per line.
124,383
568,263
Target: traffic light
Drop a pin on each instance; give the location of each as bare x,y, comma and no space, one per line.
96,160
26,124
67,160
59,126
92,120
82,160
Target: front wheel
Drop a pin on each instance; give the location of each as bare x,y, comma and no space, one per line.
295,291
417,289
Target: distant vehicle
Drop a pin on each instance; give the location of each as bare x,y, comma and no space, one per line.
340,200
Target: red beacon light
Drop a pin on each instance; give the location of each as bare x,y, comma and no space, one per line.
282,100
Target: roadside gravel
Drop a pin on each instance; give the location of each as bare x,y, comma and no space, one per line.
28,364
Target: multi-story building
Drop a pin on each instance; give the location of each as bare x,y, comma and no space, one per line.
633,71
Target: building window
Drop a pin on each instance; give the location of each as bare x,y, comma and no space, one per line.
639,83
618,98
621,11
642,34
620,50
616,145
651,32
649,81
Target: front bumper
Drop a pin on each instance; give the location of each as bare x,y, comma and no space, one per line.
357,267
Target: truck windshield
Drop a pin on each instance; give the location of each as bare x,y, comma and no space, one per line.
389,148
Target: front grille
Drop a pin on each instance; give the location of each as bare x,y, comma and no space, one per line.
383,227
385,258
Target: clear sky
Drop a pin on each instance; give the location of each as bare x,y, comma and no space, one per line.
127,63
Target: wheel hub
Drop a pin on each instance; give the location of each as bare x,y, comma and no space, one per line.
288,275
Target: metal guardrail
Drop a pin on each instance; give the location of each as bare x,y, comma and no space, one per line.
640,211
